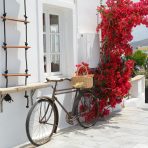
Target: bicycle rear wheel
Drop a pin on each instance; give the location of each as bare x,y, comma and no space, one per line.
41,122
86,109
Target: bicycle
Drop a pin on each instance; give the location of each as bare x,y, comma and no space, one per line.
44,113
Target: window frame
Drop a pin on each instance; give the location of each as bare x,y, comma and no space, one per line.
47,33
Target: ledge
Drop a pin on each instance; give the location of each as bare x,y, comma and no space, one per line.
138,86
32,86
136,78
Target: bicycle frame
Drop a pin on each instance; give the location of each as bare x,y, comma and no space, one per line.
63,91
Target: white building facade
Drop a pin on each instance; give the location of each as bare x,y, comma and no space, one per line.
61,34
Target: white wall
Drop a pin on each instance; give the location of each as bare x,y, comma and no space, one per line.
88,39
88,49
68,1
12,120
16,36
60,3
87,18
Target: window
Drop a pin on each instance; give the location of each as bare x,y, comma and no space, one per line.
52,43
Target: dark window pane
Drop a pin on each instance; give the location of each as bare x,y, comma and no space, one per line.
44,42
44,27
55,63
54,23
45,64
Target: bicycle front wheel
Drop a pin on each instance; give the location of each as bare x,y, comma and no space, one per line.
86,110
41,122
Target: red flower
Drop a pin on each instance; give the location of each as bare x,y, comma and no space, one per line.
106,112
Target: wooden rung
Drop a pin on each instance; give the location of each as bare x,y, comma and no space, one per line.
15,75
16,47
13,19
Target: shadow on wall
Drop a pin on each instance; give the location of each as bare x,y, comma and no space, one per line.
14,32
67,103
66,100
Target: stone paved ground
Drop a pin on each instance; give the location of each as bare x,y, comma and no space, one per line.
125,129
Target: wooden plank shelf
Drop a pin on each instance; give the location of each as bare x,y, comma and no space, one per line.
15,75
16,47
14,19
32,86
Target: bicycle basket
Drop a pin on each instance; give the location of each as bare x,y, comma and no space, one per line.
82,81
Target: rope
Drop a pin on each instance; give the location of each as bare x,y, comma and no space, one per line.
26,61
4,43
7,97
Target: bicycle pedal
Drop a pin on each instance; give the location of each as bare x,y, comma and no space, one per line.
69,120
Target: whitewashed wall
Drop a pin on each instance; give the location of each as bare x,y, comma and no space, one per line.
12,120
88,49
88,39
87,18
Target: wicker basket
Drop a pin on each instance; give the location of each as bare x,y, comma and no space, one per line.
82,81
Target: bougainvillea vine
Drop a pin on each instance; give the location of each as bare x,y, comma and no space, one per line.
114,72
112,77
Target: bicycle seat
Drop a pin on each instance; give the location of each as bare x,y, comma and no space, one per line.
57,79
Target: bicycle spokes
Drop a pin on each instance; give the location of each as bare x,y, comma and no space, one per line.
88,112
41,122
45,113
